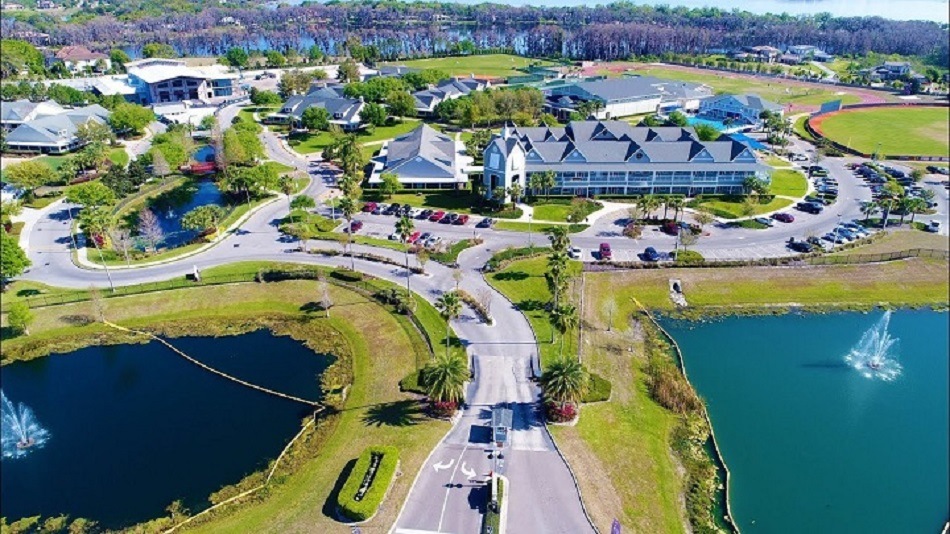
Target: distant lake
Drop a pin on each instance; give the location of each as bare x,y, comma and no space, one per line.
815,443
134,427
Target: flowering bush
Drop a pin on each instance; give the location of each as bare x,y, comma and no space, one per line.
443,409
558,413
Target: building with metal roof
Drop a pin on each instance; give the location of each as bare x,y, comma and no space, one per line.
612,157
621,97
54,134
738,109
162,80
423,158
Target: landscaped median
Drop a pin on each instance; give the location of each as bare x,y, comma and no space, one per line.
368,483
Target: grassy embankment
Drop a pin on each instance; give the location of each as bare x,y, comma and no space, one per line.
384,348
733,207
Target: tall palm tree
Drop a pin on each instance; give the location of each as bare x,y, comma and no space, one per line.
348,208
445,378
565,380
287,188
450,307
887,204
677,203
556,276
564,319
559,239
650,203
869,208
904,204
918,205
404,227
548,181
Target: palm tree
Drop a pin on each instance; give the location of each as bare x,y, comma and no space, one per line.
348,208
556,275
559,240
564,319
449,306
869,208
565,380
887,204
918,205
287,188
515,191
677,203
536,182
548,181
445,379
650,203
904,204
404,227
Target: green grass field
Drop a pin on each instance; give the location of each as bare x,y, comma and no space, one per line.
315,142
771,89
788,183
892,131
518,226
501,65
799,128
733,210
119,156
457,201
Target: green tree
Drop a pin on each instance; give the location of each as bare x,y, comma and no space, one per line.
390,184
557,276
560,241
91,195
677,119
95,221
515,191
548,181
19,56
93,131
445,377
315,118
405,227
345,151
401,104
565,380
119,58
203,218
151,50
349,71
295,82
28,175
208,121
264,98
275,59
374,114
303,202
450,307
475,145
130,118
19,318
706,132
314,54
236,57
13,260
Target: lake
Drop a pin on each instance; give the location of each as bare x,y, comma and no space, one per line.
134,427
815,443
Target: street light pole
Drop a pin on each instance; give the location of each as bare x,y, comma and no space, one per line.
530,216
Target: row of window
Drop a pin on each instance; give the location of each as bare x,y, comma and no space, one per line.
684,177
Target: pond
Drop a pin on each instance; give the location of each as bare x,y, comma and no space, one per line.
132,428
171,206
828,423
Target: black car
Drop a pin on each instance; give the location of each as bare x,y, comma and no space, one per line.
485,223
800,246
425,214
809,207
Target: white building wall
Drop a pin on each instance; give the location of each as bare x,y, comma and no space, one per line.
624,109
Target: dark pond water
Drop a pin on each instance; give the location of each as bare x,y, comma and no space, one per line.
817,436
170,207
134,427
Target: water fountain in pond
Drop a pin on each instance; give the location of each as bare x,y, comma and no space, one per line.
872,355
20,431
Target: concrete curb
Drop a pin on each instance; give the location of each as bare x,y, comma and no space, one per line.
503,519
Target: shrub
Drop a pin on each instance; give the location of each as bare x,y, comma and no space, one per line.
477,306
396,298
365,507
689,257
557,413
598,389
414,382
347,275
443,410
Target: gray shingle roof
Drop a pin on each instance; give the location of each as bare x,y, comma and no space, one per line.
329,98
422,153
54,129
449,88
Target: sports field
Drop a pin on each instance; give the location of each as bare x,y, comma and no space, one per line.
912,131
501,65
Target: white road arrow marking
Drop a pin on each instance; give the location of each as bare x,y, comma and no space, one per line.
438,467
469,473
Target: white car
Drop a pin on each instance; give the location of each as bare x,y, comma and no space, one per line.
414,213
765,220
574,253
394,236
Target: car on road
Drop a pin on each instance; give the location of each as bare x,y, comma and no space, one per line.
783,217
574,253
650,254
355,226
800,246
817,170
764,221
369,207
485,223
461,220
799,157
437,216
605,253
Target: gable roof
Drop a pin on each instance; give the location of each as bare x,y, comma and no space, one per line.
24,110
616,89
423,153
329,98
78,53
748,100
57,128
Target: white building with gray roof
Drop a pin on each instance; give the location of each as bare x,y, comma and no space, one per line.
54,134
423,159
343,111
614,158
622,97
449,89
737,109
17,112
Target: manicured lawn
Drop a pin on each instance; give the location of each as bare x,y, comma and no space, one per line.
375,413
774,161
502,65
552,212
317,141
728,209
910,282
119,156
55,162
895,131
771,89
277,166
524,284
799,128
457,201
900,240
517,226
788,183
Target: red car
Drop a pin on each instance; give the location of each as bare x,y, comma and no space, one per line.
671,228
784,217
605,252
437,216
355,226
369,206
462,219
414,237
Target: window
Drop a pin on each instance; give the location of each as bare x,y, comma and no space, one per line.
493,161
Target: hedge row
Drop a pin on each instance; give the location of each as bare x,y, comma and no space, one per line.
598,389
483,313
365,508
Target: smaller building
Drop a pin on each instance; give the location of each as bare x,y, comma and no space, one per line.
13,114
423,159
452,88
79,58
501,423
11,6
54,134
765,54
394,70
343,111
738,109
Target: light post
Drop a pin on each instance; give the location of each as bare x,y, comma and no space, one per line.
530,216
837,231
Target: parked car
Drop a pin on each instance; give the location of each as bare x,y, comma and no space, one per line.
461,220
783,217
809,207
605,252
814,199
425,214
800,246
424,237
355,226
814,240
799,157
437,216
764,220
650,254
574,253
670,228
369,207
414,213
432,241
413,238
485,223
449,218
